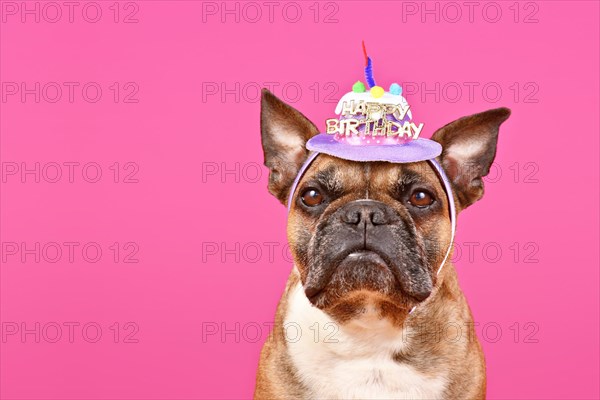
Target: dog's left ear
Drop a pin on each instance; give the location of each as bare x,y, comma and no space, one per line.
469,148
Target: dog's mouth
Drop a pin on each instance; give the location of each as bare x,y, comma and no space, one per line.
365,256
356,269
369,261
398,277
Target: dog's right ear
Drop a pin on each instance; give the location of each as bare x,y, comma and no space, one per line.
284,132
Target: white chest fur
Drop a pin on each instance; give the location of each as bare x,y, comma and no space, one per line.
354,361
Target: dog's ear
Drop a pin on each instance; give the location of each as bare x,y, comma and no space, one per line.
284,132
469,148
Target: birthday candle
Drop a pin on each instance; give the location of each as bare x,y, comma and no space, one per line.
368,68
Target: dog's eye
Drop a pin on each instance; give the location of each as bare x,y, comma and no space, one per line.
311,197
421,199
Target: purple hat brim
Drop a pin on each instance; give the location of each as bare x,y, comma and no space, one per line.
411,151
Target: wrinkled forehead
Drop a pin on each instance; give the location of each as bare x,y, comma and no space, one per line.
334,173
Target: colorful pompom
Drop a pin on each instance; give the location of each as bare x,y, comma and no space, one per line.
395,89
377,91
358,87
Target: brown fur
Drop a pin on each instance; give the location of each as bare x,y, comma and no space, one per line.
429,352
433,348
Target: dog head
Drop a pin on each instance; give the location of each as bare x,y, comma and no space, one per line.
372,234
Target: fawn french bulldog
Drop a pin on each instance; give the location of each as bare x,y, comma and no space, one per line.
365,313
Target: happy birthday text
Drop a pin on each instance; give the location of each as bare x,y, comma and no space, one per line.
373,120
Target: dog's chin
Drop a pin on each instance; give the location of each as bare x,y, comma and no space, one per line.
362,286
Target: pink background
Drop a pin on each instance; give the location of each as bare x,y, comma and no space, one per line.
179,213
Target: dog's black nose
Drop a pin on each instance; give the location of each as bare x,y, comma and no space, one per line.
367,211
